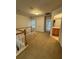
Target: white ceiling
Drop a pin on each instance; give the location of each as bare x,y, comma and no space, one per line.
24,7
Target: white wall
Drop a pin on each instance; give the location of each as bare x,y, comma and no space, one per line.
58,18
40,23
57,11
22,21
54,13
58,22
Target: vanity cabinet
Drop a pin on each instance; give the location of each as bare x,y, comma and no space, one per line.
55,31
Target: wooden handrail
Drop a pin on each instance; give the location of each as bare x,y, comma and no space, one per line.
19,30
19,33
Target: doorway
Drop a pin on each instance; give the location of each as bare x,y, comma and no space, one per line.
47,23
33,22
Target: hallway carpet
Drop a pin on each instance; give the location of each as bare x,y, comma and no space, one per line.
41,46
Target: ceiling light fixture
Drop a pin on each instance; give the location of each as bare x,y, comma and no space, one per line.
35,12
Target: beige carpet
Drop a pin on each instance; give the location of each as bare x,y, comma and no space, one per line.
41,46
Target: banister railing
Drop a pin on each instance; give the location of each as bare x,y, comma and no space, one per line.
23,30
22,34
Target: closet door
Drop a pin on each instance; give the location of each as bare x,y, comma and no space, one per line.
40,24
